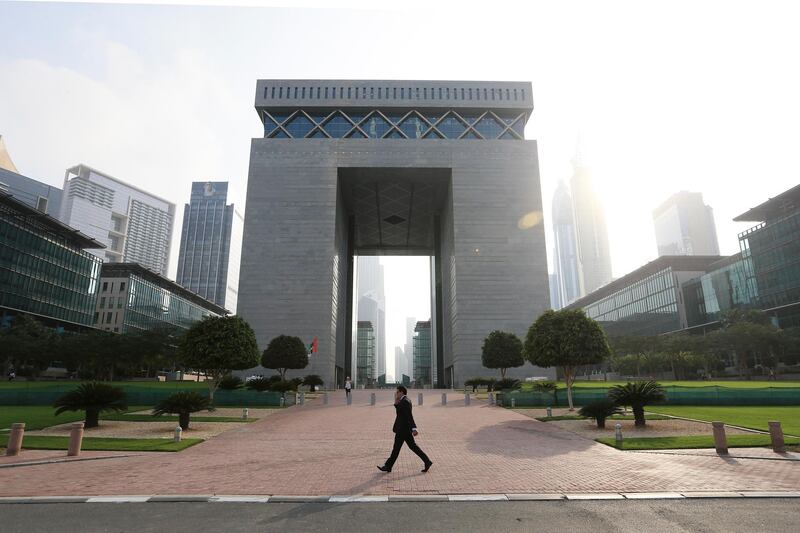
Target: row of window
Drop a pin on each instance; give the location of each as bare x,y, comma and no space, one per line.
380,124
396,93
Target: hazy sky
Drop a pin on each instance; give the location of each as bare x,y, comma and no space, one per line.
695,95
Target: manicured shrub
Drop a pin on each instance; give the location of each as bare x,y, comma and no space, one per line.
637,395
548,387
94,398
282,386
231,382
313,381
600,410
507,384
183,404
259,384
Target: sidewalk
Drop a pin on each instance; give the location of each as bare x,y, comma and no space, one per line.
322,450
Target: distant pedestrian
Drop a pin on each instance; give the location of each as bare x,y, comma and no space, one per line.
405,429
12,375
348,386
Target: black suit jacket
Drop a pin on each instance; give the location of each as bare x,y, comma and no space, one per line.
404,421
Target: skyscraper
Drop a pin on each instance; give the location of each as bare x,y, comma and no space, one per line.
365,354
134,225
568,278
685,226
423,371
590,226
372,291
211,240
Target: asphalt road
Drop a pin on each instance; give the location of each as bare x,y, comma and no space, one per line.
751,515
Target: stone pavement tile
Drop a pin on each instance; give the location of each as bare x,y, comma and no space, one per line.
317,450
596,496
652,495
712,494
534,497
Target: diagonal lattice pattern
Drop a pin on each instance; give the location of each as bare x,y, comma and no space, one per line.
381,124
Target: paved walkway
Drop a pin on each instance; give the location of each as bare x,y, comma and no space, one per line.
316,449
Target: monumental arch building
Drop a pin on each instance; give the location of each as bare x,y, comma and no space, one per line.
354,168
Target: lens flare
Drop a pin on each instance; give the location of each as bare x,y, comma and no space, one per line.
534,218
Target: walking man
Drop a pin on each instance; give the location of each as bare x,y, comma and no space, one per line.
404,431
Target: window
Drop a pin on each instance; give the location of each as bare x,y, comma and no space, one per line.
109,315
41,205
96,317
280,92
120,302
303,93
122,287
102,302
105,286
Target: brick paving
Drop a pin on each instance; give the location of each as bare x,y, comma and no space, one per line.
333,450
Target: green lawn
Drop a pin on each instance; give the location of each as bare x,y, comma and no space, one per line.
31,442
170,418
748,417
41,416
694,441
65,384
729,384
576,417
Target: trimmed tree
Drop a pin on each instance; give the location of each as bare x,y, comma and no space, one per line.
637,395
502,350
285,352
218,345
93,398
567,339
183,404
600,410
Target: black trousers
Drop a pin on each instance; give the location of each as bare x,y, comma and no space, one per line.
408,438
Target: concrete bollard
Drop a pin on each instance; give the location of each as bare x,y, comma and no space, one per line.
466,398
490,397
776,435
178,434
419,398
720,441
245,413
549,411
350,398
302,398
617,432
325,399
15,439
283,401
444,398
75,439
513,402
372,399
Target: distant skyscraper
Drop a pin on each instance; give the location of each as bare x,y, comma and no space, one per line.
371,286
555,300
590,226
399,359
685,226
408,349
568,280
136,226
365,353
423,371
211,240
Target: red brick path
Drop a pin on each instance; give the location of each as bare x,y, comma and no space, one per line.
316,449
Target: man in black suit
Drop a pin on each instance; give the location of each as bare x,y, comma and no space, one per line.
405,429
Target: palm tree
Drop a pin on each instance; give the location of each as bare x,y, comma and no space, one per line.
94,398
600,410
313,381
550,387
637,395
183,404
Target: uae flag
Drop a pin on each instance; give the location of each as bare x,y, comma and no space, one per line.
312,348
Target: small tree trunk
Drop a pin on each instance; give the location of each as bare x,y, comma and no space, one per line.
183,421
92,418
569,378
503,373
601,422
638,415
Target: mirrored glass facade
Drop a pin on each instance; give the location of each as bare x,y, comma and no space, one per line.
422,353
365,353
45,268
710,296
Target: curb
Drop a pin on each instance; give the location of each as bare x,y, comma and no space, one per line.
362,498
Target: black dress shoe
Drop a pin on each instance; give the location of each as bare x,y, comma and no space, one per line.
384,468
427,466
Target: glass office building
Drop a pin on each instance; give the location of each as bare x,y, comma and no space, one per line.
772,252
365,353
133,298
422,354
45,268
647,301
724,288
211,245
